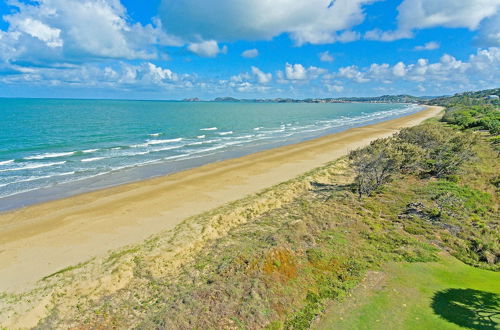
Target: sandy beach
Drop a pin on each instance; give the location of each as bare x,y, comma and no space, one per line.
41,239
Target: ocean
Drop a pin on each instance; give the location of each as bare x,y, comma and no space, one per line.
53,148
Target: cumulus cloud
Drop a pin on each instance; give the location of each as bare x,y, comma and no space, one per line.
207,48
399,70
352,72
39,30
480,71
79,29
419,14
380,35
313,21
431,45
262,77
121,76
297,72
325,57
447,75
422,14
334,88
250,53
489,32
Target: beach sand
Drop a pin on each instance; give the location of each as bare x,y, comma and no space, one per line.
41,239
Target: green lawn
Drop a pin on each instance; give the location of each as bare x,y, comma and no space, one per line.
438,295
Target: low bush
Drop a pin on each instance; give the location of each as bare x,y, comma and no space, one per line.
430,149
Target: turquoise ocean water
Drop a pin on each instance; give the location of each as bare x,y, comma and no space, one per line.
51,148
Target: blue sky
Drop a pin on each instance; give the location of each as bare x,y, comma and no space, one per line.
172,49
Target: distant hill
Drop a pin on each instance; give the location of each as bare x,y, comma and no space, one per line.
226,99
377,99
385,99
490,96
469,98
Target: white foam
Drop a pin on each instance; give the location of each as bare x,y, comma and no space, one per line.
6,162
132,165
174,157
88,151
164,141
86,160
208,149
35,178
200,137
165,148
18,192
153,142
50,155
194,144
133,153
155,134
209,129
226,133
32,166
244,137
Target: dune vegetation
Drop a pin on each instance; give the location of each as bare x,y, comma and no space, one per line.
410,208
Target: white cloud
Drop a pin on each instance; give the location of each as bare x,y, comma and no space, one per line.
348,36
380,35
39,30
207,48
489,32
297,72
262,77
241,77
352,73
313,21
325,57
422,14
59,30
480,71
447,75
399,70
431,45
334,88
122,76
250,53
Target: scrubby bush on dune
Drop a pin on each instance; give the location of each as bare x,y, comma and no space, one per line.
442,156
482,117
375,165
430,149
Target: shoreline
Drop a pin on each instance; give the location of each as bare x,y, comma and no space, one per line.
43,238
160,167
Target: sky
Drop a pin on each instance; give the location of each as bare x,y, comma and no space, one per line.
175,49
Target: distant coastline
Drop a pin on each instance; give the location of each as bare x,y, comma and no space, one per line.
376,99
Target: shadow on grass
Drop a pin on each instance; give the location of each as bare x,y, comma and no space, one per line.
468,308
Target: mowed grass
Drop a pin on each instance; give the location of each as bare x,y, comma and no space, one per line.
447,294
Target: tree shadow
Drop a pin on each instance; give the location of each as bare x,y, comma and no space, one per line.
468,308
